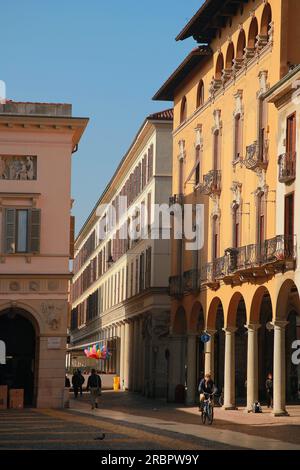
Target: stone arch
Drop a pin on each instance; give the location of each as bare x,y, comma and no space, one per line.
212,313
27,312
219,66
229,56
241,44
234,304
266,20
196,321
180,322
287,300
260,293
253,32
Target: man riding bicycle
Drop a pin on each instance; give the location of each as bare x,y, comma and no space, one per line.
206,389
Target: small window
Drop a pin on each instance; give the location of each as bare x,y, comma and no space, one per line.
183,110
200,94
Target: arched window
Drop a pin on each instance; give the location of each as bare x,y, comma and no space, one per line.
183,110
200,94
253,32
266,20
241,44
229,56
219,67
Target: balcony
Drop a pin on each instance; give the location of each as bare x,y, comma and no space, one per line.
251,262
191,281
176,286
211,183
257,155
287,167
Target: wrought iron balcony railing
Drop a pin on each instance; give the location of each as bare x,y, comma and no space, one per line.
191,281
280,248
257,155
287,167
176,286
211,183
251,261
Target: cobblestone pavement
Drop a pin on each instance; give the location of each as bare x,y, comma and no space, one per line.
130,421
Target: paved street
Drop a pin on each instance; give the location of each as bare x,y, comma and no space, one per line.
132,422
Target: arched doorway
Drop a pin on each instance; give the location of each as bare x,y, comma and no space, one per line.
288,310
219,345
241,354
179,355
197,326
265,345
19,336
237,319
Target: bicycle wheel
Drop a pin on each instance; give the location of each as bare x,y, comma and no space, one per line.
203,417
210,414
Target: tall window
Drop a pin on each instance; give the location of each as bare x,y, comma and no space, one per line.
197,170
181,162
22,230
291,135
289,216
216,150
215,237
183,110
261,220
236,226
238,147
200,94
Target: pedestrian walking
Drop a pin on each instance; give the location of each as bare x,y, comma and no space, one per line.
76,383
269,390
94,386
67,382
81,381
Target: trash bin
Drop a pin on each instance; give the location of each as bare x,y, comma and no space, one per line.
116,384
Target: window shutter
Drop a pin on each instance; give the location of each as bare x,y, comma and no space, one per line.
72,236
10,230
34,230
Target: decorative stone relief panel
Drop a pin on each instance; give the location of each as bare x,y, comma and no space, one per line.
18,167
52,314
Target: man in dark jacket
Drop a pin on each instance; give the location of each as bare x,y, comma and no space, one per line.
206,388
94,385
76,383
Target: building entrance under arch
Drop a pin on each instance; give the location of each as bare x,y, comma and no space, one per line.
19,336
265,346
219,352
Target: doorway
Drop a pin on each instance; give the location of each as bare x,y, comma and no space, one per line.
19,336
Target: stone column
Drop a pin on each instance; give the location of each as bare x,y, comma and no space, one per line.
279,376
131,356
135,355
209,350
122,356
252,365
126,356
229,373
142,358
191,369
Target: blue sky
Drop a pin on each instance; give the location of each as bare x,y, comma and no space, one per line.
107,58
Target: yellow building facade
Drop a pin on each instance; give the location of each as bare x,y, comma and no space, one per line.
225,156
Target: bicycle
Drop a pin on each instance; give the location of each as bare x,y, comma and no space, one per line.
207,410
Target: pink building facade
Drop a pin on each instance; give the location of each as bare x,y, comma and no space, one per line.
37,141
